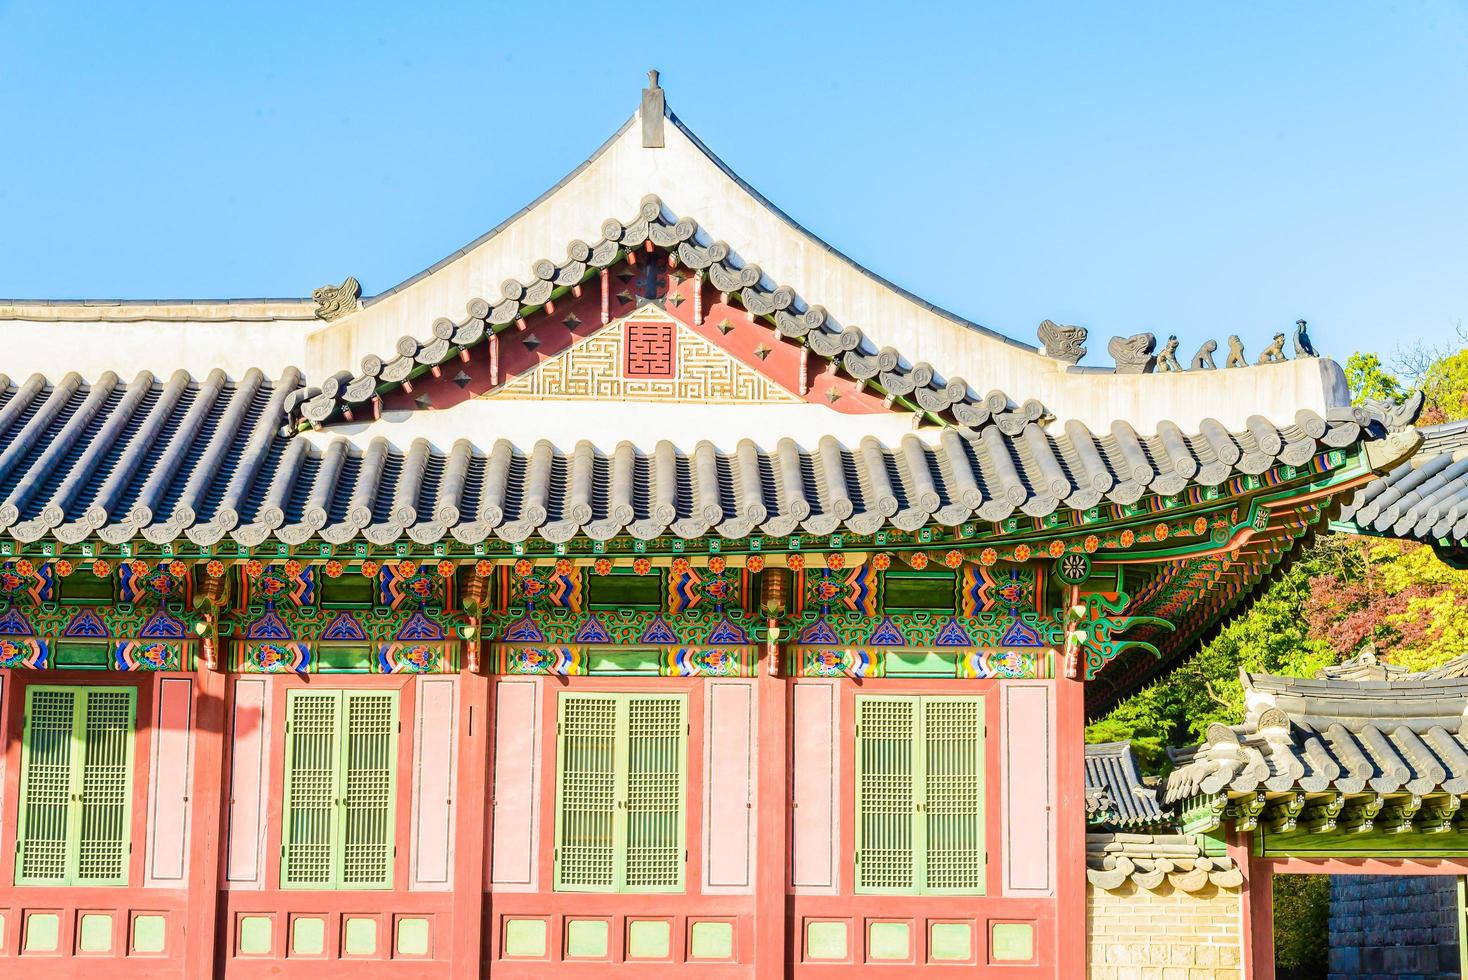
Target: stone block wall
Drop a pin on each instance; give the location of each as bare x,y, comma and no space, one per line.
1388,927
1164,934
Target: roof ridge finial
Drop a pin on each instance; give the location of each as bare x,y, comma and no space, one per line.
653,110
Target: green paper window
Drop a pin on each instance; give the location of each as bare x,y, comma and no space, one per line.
76,786
620,790
340,779
919,795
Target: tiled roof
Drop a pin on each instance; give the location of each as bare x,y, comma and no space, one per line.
1152,860
1114,782
213,457
1396,733
1425,497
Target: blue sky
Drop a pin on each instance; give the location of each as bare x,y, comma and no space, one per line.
1198,169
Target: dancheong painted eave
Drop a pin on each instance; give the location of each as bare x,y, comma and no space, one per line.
921,348
214,458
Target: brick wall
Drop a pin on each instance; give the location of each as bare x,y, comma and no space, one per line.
1167,934
1386,926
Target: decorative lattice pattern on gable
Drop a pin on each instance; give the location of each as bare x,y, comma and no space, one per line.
623,365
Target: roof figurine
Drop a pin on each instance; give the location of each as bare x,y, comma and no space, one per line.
1062,342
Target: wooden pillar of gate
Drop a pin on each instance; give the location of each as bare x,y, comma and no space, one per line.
772,828
1070,828
1257,912
471,826
211,787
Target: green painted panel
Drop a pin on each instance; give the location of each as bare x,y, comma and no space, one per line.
920,663
76,786
105,833
620,774
525,937
655,758
886,794
825,940
587,938
340,789
919,795
308,936
255,938
649,939
149,933
952,811
625,591
343,592
1376,844
1012,942
352,659
621,662
359,937
369,767
42,933
711,941
94,933
312,757
49,755
586,794
951,941
413,935
889,941
925,591
80,655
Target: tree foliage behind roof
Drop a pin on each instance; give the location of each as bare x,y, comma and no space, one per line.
1340,593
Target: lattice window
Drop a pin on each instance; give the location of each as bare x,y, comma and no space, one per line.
339,789
621,771
649,350
76,786
919,795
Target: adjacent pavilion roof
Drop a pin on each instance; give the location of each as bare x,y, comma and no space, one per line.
1361,728
1424,498
1116,793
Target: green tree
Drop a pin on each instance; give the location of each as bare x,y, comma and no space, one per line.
1367,378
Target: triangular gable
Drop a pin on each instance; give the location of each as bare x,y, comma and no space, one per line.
420,627
524,630
162,626
953,635
727,633
819,632
658,631
1021,634
14,623
592,631
86,623
886,634
344,626
268,626
684,274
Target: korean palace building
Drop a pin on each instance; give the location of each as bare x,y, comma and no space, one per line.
647,589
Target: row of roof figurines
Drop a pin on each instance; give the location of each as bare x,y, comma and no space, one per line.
1138,353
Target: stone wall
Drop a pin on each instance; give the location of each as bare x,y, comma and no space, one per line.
1167,934
1388,926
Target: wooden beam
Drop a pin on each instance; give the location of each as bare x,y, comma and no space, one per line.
213,696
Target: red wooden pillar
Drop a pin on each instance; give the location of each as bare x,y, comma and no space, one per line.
1070,828
772,828
1257,896
471,826
212,695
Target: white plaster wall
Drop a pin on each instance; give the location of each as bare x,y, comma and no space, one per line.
130,338
644,424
